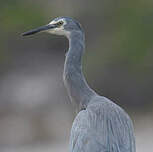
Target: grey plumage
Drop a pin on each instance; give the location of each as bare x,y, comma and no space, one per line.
100,125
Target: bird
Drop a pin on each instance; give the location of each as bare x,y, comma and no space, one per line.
100,124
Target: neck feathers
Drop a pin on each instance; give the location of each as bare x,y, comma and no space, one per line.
79,91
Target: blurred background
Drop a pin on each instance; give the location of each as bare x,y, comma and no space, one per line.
35,112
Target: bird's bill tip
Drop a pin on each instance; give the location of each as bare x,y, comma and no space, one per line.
31,32
27,33
39,29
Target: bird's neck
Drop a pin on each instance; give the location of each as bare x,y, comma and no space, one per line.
79,91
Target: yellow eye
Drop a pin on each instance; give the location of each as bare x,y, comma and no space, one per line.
60,23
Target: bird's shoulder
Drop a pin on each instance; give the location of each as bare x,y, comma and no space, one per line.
100,110
103,106
103,125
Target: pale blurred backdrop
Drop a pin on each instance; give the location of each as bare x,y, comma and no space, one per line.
35,112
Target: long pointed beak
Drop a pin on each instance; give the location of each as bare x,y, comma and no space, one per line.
39,29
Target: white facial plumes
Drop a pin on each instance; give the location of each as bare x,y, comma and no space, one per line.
59,30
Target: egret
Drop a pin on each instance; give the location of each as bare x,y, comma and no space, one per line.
100,125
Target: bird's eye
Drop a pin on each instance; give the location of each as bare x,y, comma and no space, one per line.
59,23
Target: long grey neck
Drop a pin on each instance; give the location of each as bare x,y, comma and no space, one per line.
79,91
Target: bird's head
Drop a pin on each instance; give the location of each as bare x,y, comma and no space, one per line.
59,26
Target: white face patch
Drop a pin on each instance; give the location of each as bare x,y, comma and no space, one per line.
59,30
